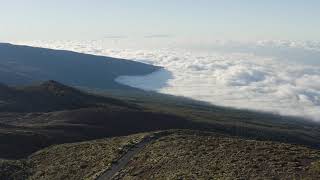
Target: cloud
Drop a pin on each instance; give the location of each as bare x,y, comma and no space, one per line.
158,36
241,80
115,37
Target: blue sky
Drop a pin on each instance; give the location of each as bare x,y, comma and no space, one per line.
220,19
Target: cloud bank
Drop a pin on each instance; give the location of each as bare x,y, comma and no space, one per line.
241,80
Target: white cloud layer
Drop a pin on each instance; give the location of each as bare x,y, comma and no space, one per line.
240,80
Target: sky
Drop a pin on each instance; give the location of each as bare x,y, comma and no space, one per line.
190,19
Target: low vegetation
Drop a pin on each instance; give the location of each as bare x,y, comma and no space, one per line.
178,154
13,169
245,144
196,155
315,169
84,160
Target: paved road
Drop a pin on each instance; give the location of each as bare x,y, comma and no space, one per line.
124,160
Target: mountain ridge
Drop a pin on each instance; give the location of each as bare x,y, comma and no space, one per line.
23,65
50,96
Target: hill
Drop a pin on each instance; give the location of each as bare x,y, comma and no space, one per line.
174,154
50,96
200,155
22,65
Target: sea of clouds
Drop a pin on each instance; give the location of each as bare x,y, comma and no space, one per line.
274,76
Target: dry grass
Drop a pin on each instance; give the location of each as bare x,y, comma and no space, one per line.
85,160
189,155
181,154
314,171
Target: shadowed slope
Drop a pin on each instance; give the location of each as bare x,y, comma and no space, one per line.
21,65
50,96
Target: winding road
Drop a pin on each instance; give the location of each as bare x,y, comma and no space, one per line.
125,159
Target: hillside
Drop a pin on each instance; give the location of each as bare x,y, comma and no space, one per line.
175,154
22,65
198,155
37,116
237,122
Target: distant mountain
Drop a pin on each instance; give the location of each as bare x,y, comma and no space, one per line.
20,65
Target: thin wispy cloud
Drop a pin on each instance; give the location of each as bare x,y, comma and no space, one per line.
115,37
158,36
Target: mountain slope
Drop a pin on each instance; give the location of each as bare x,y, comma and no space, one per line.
20,65
37,116
237,122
